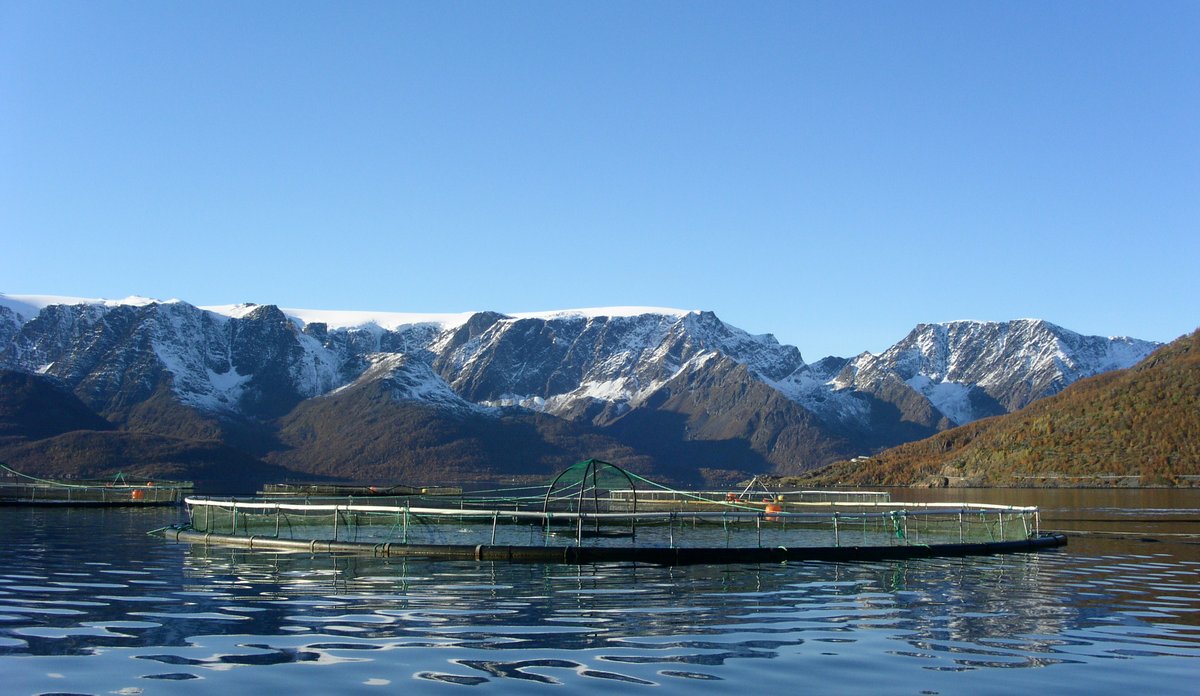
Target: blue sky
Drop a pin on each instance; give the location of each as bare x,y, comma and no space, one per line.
833,173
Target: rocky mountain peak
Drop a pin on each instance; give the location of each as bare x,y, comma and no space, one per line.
972,369
626,370
405,379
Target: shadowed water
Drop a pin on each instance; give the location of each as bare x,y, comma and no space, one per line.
90,604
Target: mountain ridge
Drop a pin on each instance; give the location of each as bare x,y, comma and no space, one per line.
657,384
1134,426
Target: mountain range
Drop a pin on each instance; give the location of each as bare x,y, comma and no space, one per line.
1134,427
678,395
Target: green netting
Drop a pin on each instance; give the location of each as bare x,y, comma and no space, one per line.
586,487
595,503
401,524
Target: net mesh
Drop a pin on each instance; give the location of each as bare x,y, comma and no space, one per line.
596,503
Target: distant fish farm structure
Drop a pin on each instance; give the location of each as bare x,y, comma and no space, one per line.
17,488
597,512
309,490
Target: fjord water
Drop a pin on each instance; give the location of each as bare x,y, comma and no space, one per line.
90,604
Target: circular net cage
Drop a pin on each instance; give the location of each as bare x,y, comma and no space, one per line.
591,486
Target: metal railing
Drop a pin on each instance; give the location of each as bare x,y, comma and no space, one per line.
777,524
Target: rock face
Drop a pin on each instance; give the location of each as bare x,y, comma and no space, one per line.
679,392
970,370
944,375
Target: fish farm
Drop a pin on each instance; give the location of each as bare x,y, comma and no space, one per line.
17,488
597,512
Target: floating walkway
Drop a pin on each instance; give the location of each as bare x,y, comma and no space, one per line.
595,512
21,489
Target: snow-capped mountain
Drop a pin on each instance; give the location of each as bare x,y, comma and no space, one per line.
117,355
969,369
563,362
409,380
152,365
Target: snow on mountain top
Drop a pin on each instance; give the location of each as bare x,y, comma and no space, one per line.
391,321
236,311
350,319
594,312
1029,323
20,305
344,319
29,305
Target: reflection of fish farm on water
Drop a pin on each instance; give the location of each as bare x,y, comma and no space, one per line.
671,610
596,511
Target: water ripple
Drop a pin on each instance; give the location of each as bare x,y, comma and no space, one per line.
1066,618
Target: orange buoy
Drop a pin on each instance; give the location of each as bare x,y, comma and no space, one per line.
138,494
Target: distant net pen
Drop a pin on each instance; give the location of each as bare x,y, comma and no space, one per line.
18,489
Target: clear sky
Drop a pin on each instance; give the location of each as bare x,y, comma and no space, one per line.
831,172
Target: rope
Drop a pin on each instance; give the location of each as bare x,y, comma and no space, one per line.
62,484
692,496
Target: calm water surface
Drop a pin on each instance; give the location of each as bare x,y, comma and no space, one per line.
90,604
